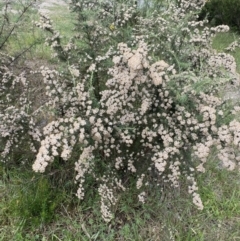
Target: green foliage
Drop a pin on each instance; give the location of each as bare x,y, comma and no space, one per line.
35,201
219,201
223,12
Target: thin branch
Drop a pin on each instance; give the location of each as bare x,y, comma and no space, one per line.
25,9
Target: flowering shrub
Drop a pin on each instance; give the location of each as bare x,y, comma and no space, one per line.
139,97
18,132
18,129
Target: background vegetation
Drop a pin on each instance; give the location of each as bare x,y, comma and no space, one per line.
222,12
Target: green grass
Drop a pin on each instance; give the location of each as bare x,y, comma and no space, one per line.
165,216
27,34
223,40
63,21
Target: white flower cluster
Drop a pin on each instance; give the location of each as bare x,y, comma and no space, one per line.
82,166
60,139
54,41
223,60
229,143
44,22
233,46
17,123
108,199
